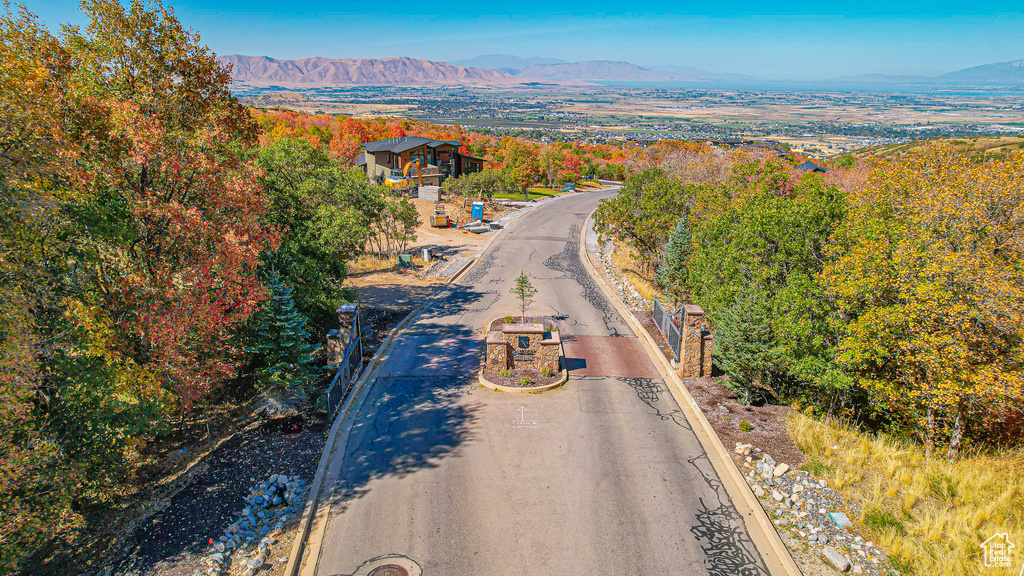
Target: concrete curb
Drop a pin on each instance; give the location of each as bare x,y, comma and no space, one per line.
767,540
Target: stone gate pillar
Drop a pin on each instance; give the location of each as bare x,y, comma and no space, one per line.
691,361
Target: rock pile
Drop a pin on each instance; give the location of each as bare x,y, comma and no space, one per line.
245,544
808,511
623,287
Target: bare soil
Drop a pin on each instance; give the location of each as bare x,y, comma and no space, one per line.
174,541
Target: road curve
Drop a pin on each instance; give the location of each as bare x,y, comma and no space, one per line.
603,476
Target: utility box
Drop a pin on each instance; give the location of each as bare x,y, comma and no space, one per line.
405,260
478,211
569,187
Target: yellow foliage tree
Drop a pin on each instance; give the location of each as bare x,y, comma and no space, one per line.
929,271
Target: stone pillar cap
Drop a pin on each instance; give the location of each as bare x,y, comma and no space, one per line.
495,337
523,328
693,309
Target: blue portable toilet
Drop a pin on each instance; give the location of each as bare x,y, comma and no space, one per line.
478,211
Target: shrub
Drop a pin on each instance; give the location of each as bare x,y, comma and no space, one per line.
880,520
745,426
526,381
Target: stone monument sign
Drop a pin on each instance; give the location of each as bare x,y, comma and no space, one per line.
523,346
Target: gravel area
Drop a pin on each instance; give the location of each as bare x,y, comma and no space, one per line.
811,517
176,541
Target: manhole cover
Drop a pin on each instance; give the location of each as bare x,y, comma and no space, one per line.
389,570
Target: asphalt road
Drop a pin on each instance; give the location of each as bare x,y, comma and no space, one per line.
603,476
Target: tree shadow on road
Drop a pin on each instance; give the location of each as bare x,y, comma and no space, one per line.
416,414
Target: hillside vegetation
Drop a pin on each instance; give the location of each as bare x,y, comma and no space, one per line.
973,146
889,297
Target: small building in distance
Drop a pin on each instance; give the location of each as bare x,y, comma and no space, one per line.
809,166
438,159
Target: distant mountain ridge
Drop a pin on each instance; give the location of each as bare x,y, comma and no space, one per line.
402,71
500,62
592,71
1009,74
319,71
998,73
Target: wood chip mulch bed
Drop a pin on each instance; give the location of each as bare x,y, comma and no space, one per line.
537,379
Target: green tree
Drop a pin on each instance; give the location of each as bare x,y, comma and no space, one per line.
745,347
524,291
325,211
280,340
672,272
772,240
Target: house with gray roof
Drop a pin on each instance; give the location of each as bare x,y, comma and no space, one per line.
438,158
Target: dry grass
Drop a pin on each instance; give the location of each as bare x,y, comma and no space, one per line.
625,260
929,514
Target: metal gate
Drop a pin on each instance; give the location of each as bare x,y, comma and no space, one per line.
351,362
670,326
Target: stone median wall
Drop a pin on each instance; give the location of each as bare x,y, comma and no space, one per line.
523,346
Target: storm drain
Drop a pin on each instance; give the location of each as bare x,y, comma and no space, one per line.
389,565
389,570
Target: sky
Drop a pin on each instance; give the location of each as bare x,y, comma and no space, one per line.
784,39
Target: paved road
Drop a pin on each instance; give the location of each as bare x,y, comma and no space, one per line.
601,477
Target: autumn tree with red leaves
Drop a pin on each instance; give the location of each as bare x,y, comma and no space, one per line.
132,226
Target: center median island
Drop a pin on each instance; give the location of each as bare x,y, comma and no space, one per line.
522,357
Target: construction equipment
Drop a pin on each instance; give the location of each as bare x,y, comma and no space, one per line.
439,219
402,182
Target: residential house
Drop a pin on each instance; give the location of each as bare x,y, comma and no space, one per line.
438,159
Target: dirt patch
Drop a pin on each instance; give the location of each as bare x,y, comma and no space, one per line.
173,541
726,415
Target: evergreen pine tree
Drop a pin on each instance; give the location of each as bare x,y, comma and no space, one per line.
523,291
281,340
672,272
745,346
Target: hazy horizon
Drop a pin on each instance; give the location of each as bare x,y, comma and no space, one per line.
795,41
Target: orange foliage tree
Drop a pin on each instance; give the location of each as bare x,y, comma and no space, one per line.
929,271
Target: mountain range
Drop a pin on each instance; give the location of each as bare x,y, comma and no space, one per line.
506,70
318,71
1004,74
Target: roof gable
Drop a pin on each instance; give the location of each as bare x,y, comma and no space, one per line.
398,145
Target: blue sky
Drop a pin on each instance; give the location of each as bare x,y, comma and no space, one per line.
783,39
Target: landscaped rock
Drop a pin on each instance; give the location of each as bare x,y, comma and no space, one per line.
840,519
836,559
780,470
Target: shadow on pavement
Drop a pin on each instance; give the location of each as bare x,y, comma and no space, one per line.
416,414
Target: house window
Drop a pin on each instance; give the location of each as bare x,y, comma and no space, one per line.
389,158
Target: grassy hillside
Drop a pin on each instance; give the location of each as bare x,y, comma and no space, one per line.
987,145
